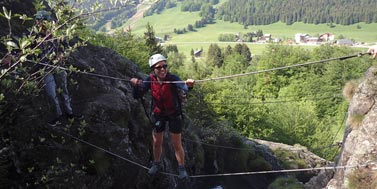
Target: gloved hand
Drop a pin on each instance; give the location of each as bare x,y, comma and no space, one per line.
135,82
190,83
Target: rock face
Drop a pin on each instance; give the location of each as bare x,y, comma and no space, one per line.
111,147
308,157
360,140
302,154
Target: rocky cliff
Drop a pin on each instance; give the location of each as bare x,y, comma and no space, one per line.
111,147
360,140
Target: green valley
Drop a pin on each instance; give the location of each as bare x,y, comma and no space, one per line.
165,22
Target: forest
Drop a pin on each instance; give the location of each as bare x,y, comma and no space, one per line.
260,12
303,105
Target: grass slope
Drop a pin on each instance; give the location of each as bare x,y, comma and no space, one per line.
165,23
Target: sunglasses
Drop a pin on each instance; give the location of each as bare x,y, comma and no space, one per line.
160,67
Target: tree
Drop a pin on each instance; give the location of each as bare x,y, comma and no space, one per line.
243,49
214,56
176,62
228,51
171,48
190,27
151,41
259,12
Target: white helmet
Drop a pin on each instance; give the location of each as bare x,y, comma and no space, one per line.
154,59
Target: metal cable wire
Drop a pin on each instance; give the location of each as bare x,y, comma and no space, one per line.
213,79
218,175
222,77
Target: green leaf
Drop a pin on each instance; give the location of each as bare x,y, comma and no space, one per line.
8,15
58,160
12,44
23,58
23,17
73,26
30,169
25,43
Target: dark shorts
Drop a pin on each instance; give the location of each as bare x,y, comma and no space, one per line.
160,122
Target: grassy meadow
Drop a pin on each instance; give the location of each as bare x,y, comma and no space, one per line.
165,23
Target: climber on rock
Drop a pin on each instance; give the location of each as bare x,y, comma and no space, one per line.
166,109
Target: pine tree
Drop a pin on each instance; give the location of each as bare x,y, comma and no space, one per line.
151,41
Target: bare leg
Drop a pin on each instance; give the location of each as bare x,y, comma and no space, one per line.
177,144
157,145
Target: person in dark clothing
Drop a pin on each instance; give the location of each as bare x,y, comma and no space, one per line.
166,108
52,54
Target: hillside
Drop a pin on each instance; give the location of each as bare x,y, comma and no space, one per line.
141,8
260,12
116,14
278,19
165,22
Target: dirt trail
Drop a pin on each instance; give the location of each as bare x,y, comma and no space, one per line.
141,8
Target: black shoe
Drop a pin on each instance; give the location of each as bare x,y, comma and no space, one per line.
76,117
54,122
155,168
182,172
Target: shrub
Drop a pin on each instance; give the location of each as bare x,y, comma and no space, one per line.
350,89
362,178
286,183
355,120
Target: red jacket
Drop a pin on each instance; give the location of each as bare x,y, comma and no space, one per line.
165,96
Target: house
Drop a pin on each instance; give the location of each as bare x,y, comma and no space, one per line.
277,40
344,42
327,37
198,53
166,37
265,38
159,39
300,37
312,40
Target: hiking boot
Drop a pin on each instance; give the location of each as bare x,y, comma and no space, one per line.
54,122
75,117
182,172
155,168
